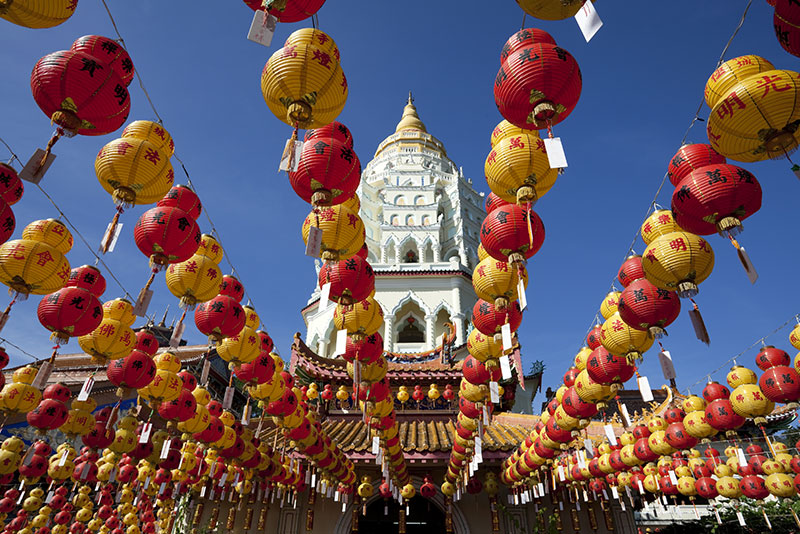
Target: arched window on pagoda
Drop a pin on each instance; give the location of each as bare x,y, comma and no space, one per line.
411,332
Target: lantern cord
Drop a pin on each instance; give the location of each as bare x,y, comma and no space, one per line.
13,155
758,342
524,16
136,71
695,118
23,351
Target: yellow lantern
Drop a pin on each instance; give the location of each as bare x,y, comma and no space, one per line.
482,254
37,13
244,347
496,281
582,358
560,393
303,83
197,279
628,456
755,118
609,304
678,261
153,133
517,168
551,9
780,485
739,375
484,348
251,317
134,171
120,310
210,248
590,391
658,223
403,396
619,338
361,319
342,394
166,384
370,373
730,74
20,396
51,232
727,486
506,129
658,443
749,401
696,425
686,486
80,420
342,231
111,340
32,266
794,337
693,403
353,203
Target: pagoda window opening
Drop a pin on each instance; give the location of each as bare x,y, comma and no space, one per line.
420,200
400,200
410,333
439,326
410,253
426,220
395,220
409,220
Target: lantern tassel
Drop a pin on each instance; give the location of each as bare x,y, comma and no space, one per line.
744,258
53,140
7,312
530,229
699,325
108,238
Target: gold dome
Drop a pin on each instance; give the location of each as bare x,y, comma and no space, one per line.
410,120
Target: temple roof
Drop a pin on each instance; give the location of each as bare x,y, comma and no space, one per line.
410,119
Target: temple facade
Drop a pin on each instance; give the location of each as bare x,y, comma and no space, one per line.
422,219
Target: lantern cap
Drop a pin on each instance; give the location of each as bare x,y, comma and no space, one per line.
410,119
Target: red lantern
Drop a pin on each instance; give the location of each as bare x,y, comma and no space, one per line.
489,321
674,415
512,234
134,371
258,371
469,409
476,373
266,342
556,433
7,220
642,451
770,356
219,317
781,384
167,235
538,84
678,438
787,25
87,277
493,202
352,280
11,187
720,415
80,93
70,312
690,158
180,409
570,376
606,368
615,460
51,412
574,406
183,198
753,487
643,306
594,336
630,270
335,129
213,431
366,351
108,51
292,10
328,172
716,198
714,391
232,287
146,342
448,394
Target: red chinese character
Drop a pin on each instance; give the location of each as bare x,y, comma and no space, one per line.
647,228
664,219
191,267
212,273
502,266
516,142
618,326
492,157
365,304
123,147
352,219
677,244
344,80
44,258
770,82
106,329
159,131
152,156
702,244
726,106
17,251
540,146
214,248
322,58
651,255
482,271
289,51
322,38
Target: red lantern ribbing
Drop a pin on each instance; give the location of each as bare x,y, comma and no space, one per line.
643,306
166,235
352,280
630,270
328,172
489,321
287,10
512,234
690,158
219,317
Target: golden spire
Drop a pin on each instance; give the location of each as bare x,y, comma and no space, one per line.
410,120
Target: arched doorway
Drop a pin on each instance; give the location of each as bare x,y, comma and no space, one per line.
383,517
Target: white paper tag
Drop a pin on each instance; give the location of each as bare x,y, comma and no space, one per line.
63,460
644,389
622,505
589,447
32,172
609,430
165,449
204,372
43,375
262,29
246,415
341,342
667,368
582,459
324,296
561,477
177,335
478,450
555,152
227,400
588,20
222,479
485,419
740,455
541,488
314,242
740,517
605,495
716,513
505,332
560,506
585,496
614,492
376,445
86,389
672,478
494,392
145,435
288,158
641,488
142,302
521,296
110,241
578,505
626,418
505,367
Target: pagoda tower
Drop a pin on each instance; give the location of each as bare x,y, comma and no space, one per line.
422,220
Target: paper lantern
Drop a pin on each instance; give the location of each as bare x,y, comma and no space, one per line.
606,368
80,93
166,235
243,347
89,278
328,172
512,234
749,401
786,22
197,279
110,52
351,280
590,391
335,130
678,261
619,338
134,371
643,306
38,13
219,317
517,169
769,356
111,340
497,281
730,73
722,417
134,171
538,84
780,384
303,83
551,9
342,231
630,270
288,10
70,312
489,321
361,319
753,487
484,348
366,351
690,158
658,223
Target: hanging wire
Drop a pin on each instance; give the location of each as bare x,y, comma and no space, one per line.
654,203
214,230
23,351
760,340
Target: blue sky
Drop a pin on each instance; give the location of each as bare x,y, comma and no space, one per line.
643,77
